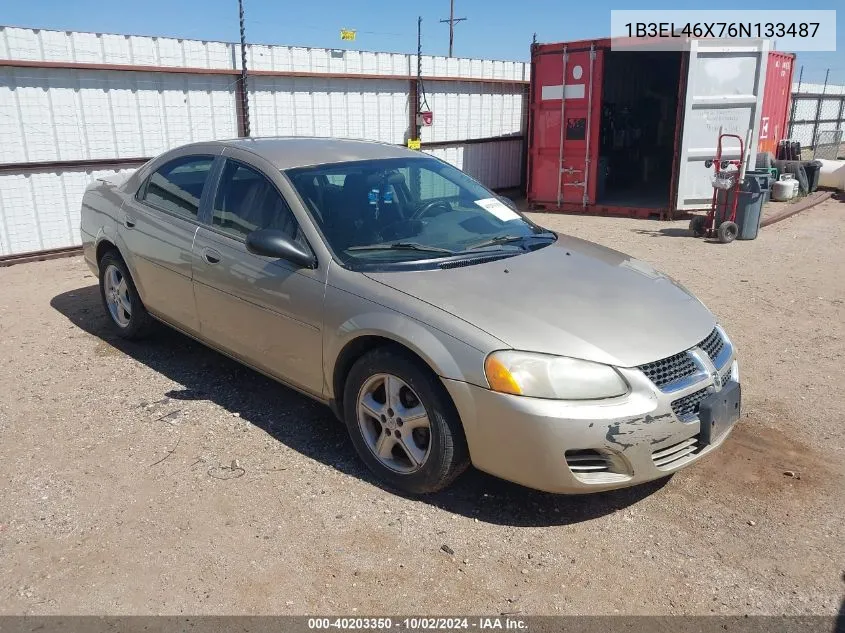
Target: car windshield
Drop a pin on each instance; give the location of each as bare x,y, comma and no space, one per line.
410,209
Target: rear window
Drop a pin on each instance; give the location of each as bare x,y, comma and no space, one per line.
177,186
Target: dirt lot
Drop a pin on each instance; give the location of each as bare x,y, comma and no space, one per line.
120,494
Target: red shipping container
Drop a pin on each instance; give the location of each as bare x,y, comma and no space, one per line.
625,132
776,99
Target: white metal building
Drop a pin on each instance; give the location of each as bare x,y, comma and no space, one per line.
75,105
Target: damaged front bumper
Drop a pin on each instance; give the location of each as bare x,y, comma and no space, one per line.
581,447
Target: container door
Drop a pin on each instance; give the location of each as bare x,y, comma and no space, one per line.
724,91
776,95
566,108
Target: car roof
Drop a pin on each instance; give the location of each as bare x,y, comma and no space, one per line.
292,151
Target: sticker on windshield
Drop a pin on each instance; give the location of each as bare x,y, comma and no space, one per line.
497,208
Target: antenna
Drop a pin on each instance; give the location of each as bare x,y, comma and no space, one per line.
452,20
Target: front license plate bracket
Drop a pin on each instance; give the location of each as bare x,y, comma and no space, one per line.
719,411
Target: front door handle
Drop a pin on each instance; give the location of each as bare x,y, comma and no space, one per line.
211,256
128,222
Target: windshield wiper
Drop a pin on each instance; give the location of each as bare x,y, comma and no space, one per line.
402,246
507,239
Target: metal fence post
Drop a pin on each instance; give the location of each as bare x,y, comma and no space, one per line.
819,107
795,97
244,96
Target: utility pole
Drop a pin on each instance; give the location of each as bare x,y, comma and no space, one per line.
452,20
243,83
419,76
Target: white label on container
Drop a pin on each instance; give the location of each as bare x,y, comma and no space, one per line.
497,208
571,91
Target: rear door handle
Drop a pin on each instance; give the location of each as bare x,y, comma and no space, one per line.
128,222
211,256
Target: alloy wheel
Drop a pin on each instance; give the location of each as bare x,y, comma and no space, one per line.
394,423
117,296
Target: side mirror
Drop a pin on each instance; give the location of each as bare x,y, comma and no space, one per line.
274,243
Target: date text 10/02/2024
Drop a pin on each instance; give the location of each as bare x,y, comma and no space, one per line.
419,623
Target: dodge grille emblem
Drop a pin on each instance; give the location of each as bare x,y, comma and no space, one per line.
717,381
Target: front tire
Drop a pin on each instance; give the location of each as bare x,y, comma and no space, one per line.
403,423
126,313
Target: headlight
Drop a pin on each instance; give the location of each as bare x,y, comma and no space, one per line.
556,377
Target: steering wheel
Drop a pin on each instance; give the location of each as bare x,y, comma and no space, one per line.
425,209
399,230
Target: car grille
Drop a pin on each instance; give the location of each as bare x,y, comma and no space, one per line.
586,461
687,407
676,454
668,370
713,344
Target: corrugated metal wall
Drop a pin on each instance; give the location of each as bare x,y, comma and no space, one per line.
498,164
39,210
375,109
64,111
58,114
473,110
106,48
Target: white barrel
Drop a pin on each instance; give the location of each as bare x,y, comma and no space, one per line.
832,174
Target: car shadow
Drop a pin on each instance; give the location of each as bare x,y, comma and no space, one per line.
312,430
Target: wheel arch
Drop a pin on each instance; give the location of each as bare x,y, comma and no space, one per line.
106,242
415,340
105,245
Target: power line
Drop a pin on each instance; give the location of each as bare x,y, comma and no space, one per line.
452,21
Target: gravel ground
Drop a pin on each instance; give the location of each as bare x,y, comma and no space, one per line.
163,478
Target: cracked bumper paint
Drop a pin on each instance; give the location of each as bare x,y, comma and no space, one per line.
526,440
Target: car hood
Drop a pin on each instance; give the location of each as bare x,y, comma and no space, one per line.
572,298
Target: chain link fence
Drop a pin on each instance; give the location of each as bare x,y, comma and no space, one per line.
817,114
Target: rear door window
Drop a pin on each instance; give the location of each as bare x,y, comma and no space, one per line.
177,186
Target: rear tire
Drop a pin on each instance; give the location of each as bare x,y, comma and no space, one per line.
727,232
698,226
423,453
124,309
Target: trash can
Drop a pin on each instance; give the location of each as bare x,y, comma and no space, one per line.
764,177
813,168
749,207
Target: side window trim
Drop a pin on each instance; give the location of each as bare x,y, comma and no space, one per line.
140,194
210,192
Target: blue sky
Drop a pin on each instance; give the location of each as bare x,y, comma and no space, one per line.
497,29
